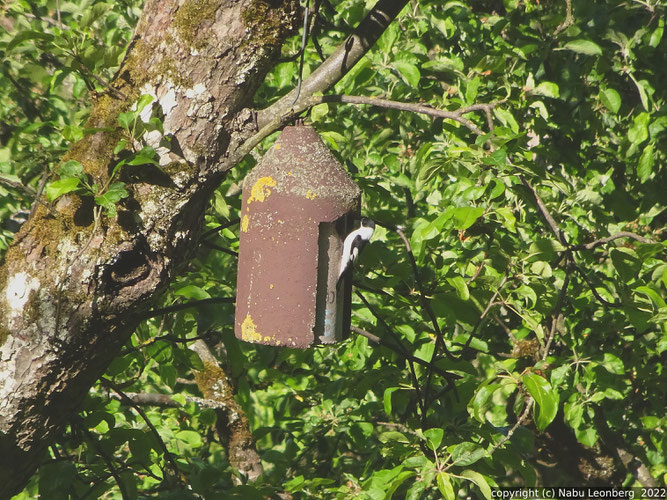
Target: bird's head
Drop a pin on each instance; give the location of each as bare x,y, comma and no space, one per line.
366,222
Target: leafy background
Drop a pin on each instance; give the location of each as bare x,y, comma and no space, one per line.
556,332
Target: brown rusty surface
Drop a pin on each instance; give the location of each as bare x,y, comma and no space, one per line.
297,185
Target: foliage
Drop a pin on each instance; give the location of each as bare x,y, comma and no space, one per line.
556,333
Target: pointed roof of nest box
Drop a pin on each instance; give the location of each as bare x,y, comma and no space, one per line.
299,164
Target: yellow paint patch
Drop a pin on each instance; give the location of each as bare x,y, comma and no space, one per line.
262,189
249,330
310,195
277,145
244,223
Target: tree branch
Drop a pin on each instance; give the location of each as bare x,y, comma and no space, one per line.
339,63
456,115
380,341
602,241
232,423
326,75
168,401
422,296
125,399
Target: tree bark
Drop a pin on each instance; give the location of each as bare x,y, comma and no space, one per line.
74,282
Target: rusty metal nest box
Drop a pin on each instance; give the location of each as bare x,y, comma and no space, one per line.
298,205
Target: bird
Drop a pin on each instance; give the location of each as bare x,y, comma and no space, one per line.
352,246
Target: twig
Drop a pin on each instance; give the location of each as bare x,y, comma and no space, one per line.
422,295
214,230
38,193
124,398
561,238
522,418
569,18
380,341
334,68
17,185
591,285
404,351
232,423
486,310
219,248
187,305
602,241
108,461
557,315
456,115
544,211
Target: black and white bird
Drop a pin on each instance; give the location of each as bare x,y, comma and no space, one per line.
352,246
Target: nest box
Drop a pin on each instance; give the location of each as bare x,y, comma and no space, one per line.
299,203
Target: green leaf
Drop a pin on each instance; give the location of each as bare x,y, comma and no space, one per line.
574,413
461,287
144,101
444,64
638,132
319,111
126,119
545,249
24,36
626,262
445,485
120,146
645,165
611,99
192,292
545,397
467,453
613,363
508,219
656,36
587,436
480,481
584,47
72,133
144,157
71,168
547,89
389,436
92,14
113,195
434,437
387,399
464,217
62,186
409,72
652,294
56,477
477,406
192,438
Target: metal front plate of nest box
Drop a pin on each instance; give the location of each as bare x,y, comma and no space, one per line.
298,205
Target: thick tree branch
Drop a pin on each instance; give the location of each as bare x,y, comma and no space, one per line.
73,286
232,423
327,74
168,401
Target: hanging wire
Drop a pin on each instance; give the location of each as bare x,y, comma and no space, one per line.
304,38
